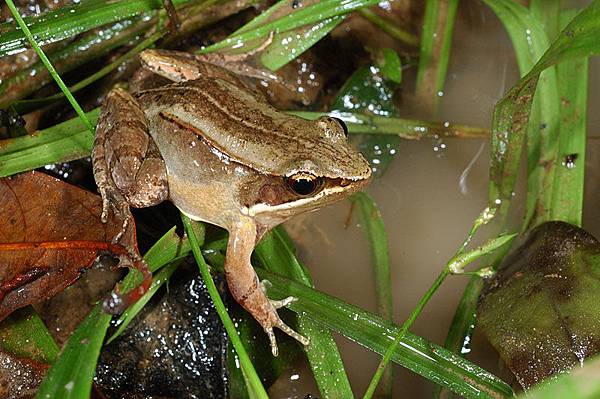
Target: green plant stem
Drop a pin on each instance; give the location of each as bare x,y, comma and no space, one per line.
49,66
454,265
397,339
389,28
247,367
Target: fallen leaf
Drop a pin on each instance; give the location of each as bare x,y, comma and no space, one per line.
51,233
540,311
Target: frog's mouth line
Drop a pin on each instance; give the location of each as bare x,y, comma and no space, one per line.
261,208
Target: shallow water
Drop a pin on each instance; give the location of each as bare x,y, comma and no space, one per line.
426,209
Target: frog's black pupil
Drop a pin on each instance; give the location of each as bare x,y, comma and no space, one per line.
303,186
342,124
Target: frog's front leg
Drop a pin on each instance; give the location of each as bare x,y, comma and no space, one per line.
244,285
127,165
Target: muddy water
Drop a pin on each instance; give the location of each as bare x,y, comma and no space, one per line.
427,207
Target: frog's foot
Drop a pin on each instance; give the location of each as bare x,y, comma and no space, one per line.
113,199
273,320
118,301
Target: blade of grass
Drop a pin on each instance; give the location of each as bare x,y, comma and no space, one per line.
286,46
67,141
92,45
24,334
320,11
276,253
388,27
374,229
548,13
567,200
70,21
436,40
255,387
49,66
530,42
410,129
72,373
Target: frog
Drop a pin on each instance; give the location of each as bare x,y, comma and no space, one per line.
213,146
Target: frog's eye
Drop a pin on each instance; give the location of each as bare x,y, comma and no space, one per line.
304,184
342,124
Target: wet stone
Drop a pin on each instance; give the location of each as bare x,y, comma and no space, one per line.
175,348
540,311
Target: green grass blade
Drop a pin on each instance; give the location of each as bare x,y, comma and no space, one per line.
389,27
567,201
410,129
49,66
548,13
436,40
277,255
73,20
461,328
374,229
530,42
372,223
24,334
255,386
70,377
60,143
511,114
312,14
288,45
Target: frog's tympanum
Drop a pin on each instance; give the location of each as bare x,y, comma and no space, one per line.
223,155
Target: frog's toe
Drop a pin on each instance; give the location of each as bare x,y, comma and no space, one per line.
283,302
286,329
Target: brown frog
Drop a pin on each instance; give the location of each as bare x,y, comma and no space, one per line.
223,155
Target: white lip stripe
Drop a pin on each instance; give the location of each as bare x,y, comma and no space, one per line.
261,208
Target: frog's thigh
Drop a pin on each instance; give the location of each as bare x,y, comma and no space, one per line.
134,162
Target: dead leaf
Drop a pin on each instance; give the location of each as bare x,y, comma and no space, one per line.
541,309
52,232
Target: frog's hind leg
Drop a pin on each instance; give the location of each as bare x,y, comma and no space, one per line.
127,165
247,290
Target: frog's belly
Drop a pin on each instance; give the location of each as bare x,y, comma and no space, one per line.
203,184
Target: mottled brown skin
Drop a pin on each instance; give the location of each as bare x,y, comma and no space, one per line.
221,154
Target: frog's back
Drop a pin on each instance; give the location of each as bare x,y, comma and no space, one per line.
241,124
